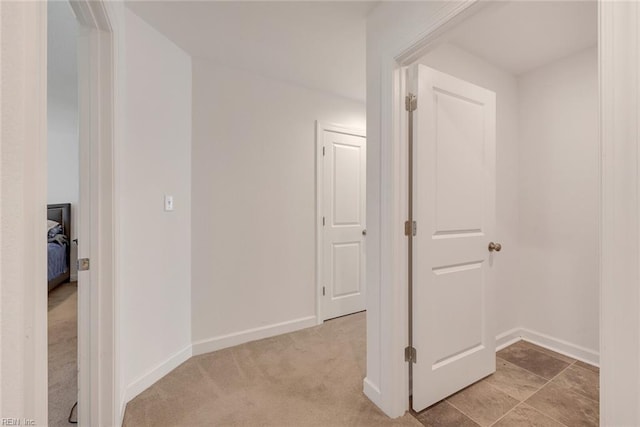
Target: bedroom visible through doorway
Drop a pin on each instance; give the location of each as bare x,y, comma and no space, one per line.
63,172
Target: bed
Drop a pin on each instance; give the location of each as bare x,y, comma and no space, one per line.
58,244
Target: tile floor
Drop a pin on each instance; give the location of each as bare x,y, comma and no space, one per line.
532,386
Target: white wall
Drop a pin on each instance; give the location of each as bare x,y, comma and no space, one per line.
23,265
253,212
62,113
464,65
559,200
154,261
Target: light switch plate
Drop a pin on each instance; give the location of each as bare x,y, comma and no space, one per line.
168,203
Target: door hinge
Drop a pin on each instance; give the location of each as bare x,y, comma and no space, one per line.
410,228
323,151
410,102
323,291
410,354
83,264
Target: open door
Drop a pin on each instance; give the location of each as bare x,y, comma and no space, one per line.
454,183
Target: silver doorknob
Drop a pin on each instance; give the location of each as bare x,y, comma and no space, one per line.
495,247
364,232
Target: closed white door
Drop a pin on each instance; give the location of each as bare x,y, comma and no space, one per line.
454,207
343,229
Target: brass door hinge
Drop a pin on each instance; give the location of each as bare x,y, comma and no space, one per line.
410,102
410,354
410,228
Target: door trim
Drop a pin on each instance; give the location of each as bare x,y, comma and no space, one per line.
321,127
387,380
97,334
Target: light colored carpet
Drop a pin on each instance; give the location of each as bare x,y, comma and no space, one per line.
63,349
312,377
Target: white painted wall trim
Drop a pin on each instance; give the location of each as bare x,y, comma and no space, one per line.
387,308
321,127
97,332
372,392
619,69
574,351
558,345
507,338
149,378
237,338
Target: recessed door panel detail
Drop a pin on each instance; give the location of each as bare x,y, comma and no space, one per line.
462,287
459,143
346,184
346,269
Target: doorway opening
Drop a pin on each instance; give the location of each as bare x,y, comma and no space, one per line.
63,206
81,133
541,61
341,159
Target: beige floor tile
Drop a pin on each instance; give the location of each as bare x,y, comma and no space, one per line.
587,366
442,414
540,363
557,355
566,406
515,381
483,403
580,380
525,416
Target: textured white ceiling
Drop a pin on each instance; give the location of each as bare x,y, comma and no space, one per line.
321,45
519,36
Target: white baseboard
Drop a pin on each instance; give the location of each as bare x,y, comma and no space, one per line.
371,391
236,338
507,338
574,351
146,380
563,347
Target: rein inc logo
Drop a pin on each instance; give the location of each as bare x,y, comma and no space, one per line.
17,422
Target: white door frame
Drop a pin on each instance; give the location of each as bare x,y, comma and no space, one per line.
24,387
320,128
400,40
97,333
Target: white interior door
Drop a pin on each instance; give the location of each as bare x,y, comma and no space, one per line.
454,206
343,229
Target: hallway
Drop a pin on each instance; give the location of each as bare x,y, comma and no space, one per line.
312,377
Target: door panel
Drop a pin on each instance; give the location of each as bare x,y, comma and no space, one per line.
454,207
346,269
346,184
344,176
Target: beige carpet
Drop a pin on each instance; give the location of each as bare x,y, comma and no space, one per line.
63,348
311,377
